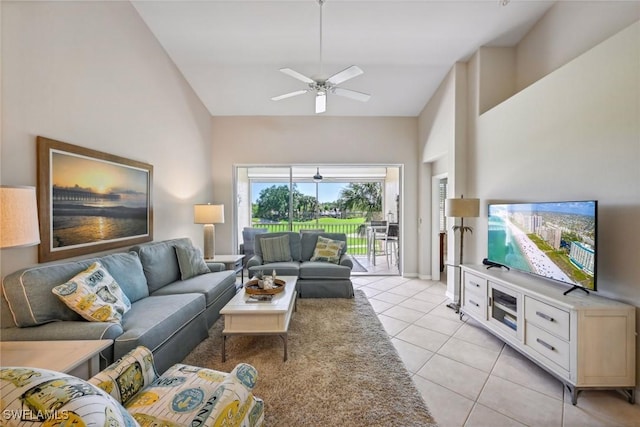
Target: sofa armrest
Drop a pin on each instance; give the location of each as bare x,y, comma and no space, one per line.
66,330
215,267
254,261
127,376
345,260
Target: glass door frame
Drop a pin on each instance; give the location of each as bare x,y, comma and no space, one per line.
392,192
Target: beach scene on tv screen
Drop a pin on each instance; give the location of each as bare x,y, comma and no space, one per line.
554,240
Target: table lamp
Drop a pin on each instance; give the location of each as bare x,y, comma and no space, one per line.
209,215
461,208
18,217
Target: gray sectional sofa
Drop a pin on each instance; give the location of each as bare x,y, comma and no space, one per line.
316,279
168,315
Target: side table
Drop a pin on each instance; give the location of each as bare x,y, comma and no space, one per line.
231,262
77,358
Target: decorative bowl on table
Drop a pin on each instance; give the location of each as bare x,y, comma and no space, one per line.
253,287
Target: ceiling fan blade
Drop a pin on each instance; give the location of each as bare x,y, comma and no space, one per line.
289,95
359,96
344,75
321,102
296,75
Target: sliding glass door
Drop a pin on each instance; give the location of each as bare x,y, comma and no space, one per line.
335,199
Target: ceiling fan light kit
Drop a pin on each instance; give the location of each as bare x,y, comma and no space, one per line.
323,87
317,177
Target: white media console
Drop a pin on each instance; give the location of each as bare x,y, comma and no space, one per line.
586,341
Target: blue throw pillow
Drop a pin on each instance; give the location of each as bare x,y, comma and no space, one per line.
191,262
275,249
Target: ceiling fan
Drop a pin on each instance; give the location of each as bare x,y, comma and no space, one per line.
322,87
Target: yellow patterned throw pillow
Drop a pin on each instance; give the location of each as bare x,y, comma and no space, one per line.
328,250
95,295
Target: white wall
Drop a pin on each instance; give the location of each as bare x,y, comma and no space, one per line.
317,140
91,74
436,136
443,135
569,29
574,135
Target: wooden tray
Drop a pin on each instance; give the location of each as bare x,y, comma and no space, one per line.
251,287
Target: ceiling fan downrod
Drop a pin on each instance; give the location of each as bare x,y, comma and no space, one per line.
322,86
321,3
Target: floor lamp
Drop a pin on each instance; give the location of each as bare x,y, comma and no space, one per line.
461,208
209,215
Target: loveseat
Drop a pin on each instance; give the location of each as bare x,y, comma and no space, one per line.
168,314
292,254
129,393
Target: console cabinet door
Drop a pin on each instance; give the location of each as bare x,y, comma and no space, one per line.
474,299
505,309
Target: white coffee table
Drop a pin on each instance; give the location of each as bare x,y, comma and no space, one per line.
260,318
77,358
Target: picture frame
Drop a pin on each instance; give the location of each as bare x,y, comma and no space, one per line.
90,201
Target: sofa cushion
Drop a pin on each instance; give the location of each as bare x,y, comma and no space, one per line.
323,270
190,261
28,291
211,285
126,268
41,397
308,243
153,320
328,250
291,268
294,243
275,249
94,294
159,261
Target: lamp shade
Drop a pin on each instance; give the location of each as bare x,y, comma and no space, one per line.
462,208
18,217
208,214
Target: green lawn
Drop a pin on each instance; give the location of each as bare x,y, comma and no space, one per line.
355,242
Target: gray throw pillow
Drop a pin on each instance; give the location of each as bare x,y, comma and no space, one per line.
191,262
275,249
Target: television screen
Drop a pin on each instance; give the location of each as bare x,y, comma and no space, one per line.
556,240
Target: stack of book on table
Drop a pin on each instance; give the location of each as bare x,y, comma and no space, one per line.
260,298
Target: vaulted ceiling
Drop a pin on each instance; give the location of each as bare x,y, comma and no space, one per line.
230,52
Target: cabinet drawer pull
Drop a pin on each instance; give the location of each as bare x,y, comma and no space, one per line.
474,303
477,285
544,344
545,316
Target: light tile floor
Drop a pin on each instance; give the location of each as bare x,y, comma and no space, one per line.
470,378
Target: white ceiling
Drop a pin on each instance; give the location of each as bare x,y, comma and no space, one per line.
230,51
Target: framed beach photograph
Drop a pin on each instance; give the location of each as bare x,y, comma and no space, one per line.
90,201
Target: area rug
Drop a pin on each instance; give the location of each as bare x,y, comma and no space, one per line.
342,368
357,267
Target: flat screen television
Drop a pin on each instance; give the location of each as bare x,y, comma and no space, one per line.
555,240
